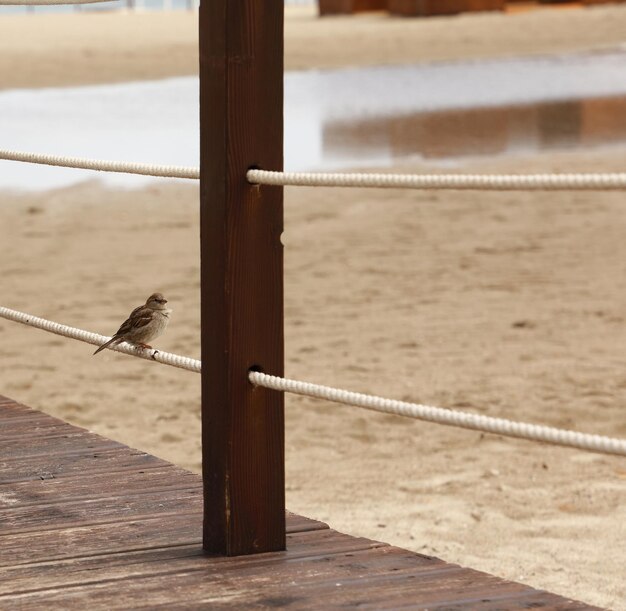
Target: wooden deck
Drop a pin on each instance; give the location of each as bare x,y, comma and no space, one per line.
86,522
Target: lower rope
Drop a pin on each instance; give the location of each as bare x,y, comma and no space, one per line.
499,426
166,358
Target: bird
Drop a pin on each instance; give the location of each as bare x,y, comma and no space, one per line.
144,324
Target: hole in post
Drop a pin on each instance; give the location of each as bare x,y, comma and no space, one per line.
255,187
250,182
257,368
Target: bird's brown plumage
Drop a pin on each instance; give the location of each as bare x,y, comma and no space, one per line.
145,323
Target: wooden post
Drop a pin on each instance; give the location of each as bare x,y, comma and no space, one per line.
241,126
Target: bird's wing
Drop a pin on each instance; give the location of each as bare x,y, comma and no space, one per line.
138,318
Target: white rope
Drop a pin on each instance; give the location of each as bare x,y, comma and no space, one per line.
499,426
146,169
167,358
501,182
498,182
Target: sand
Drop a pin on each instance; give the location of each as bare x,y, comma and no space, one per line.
82,48
507,304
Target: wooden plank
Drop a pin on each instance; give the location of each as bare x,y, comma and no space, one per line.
76,463
96,486
241,114
125,537
12,409
377,578
32,427
106,538
268,575
165,561
13,404
123,508
17,419
119,537
19,449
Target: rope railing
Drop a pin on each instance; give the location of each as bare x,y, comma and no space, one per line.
499,426
166,358
125,167
477,422
495,182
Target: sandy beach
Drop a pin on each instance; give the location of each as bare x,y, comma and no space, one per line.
81,48
505,304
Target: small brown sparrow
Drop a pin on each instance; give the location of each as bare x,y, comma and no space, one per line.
144,324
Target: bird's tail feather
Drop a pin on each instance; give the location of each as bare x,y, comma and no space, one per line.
113,340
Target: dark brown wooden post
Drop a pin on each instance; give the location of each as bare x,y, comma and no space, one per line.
241,126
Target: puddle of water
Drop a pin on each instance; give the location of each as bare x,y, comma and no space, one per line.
453,134
333,119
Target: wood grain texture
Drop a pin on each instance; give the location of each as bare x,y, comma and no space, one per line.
241,114
130,538
76,462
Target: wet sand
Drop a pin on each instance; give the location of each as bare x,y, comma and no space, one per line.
507,304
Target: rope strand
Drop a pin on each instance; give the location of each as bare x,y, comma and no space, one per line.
145,169
499,426
496,182
166,358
